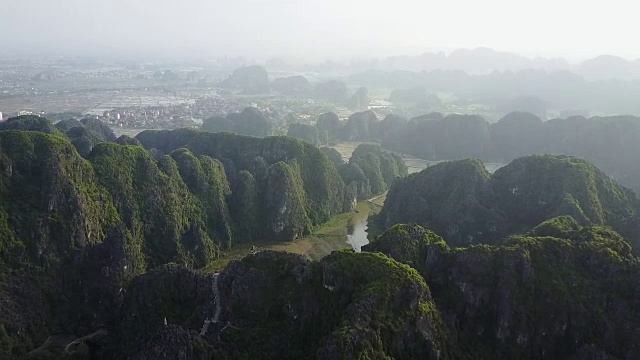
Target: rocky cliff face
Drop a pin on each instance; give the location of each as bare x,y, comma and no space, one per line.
31,123
454,199
165,220
342,307
275,305
536,297
250,79
285,198
58,241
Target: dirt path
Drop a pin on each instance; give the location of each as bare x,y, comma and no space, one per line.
216,315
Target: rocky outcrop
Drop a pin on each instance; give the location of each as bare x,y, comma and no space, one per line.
341,308
329,127
607,142
248,122
304,132
361,125
127,140
292,85
279,305
333,155
287,218
250,79
534,297
30,123
372,170
164,216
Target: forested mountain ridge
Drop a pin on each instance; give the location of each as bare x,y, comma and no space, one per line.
311,171
74,231
467,205
371,170
610,143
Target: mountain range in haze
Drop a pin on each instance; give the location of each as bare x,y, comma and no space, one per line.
475,61
480,61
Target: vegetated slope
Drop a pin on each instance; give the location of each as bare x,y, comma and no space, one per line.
310,172
86,133
371,170
467,205
53,218
280,305
251,79
537,296
30,123
305,132
74,231
250,121
162,206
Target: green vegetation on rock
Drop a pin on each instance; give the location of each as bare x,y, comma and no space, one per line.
30,123
248,122
532,295
466,204
322,185
371,170
305,132
348,305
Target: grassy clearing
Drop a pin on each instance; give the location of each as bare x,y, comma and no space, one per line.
327,238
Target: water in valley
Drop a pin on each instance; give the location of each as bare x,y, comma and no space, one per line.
357,227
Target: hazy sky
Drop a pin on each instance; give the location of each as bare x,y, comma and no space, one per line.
321,29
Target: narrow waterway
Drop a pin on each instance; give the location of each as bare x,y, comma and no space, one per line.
357,227
357,235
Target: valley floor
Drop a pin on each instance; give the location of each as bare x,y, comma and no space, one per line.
331,236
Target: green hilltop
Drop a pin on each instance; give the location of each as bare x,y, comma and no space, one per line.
467,205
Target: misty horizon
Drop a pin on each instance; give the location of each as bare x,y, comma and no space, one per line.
304,32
